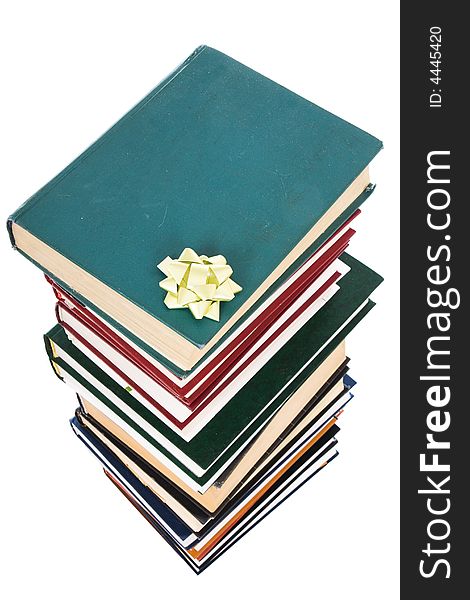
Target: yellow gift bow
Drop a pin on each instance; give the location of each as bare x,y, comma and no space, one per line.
198,282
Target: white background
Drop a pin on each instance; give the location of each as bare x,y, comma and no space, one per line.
69,71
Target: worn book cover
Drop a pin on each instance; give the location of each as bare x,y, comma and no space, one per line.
218,158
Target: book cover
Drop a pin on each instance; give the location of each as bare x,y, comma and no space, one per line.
255,516
61,289
181,533
221,437
88,331
218,158
249,359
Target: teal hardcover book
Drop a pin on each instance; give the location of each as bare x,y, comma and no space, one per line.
181,372
218,158
212,448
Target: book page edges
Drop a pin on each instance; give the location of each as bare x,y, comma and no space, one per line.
215,495
174,346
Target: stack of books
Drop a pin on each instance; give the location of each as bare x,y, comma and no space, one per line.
226,194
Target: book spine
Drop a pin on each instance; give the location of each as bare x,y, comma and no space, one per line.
49,344
10,231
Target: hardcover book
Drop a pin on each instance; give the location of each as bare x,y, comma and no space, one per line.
224,532
202,459
198,509
218,158
198,520
283,315
187,421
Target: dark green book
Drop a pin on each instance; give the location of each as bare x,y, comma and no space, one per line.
217,158
215,446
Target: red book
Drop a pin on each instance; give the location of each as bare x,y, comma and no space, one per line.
186,404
